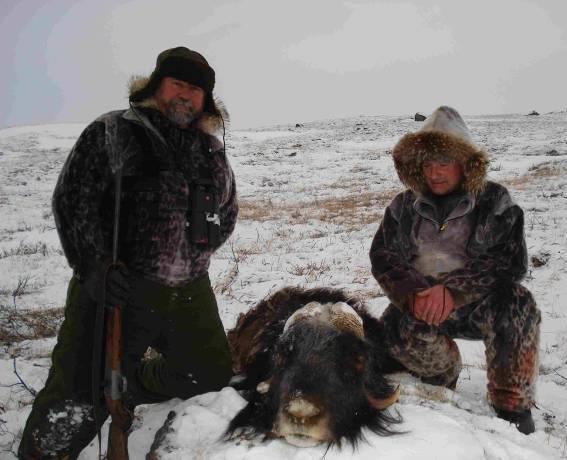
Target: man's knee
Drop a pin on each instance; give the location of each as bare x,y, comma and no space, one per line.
219,377
421,348
60,430
162,378
214,372
513,310
403,328
185,386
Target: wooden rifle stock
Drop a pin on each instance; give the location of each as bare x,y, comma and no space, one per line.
114,387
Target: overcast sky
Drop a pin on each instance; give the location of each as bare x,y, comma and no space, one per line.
288,61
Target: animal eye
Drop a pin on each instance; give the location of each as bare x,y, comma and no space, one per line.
279,360
359,363
283,353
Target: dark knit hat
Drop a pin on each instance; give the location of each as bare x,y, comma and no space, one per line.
183,64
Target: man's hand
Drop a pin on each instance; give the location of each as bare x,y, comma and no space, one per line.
118,285
433,305
114,278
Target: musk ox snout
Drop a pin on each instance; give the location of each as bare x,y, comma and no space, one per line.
302,408
302,423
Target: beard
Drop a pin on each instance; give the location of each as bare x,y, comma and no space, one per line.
181,112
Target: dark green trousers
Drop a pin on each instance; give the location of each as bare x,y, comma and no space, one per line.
181,323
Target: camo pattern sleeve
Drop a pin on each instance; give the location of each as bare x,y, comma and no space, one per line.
497,248
77,200
390,259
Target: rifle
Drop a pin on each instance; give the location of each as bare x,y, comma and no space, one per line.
115,385
115,382
108,322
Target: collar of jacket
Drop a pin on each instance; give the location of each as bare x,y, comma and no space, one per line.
426,207
139,117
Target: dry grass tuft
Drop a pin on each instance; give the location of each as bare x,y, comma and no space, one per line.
25,249
18,325
353,211
367,293
548,170
309,269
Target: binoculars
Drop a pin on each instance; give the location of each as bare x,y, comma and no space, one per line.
204,221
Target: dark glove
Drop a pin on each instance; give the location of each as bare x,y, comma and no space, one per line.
114,280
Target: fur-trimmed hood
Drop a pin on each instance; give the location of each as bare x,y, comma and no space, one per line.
212,121
443,136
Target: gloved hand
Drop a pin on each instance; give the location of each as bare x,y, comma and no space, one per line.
115,279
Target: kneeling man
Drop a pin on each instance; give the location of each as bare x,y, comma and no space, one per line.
450,254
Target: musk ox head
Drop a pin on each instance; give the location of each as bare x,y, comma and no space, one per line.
312,371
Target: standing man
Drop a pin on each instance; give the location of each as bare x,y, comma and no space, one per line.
177,207
450,254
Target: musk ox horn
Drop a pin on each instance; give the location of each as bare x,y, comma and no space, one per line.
344,318
340,315
384,403
310,310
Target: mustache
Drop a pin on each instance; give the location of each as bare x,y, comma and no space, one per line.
179,103
181,111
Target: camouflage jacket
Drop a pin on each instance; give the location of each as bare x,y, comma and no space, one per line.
495,250
158,161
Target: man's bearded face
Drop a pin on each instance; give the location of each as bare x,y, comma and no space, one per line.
179,101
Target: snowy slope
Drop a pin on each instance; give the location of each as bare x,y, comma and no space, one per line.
311,199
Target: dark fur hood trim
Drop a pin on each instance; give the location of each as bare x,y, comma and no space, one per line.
440,140
210,122
414,149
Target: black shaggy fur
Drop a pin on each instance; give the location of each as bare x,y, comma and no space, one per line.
336,367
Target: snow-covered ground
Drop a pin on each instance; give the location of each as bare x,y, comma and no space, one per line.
311,198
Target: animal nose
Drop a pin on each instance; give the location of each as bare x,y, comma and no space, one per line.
302,408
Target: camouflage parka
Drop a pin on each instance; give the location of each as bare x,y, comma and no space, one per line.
495,248
159,162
